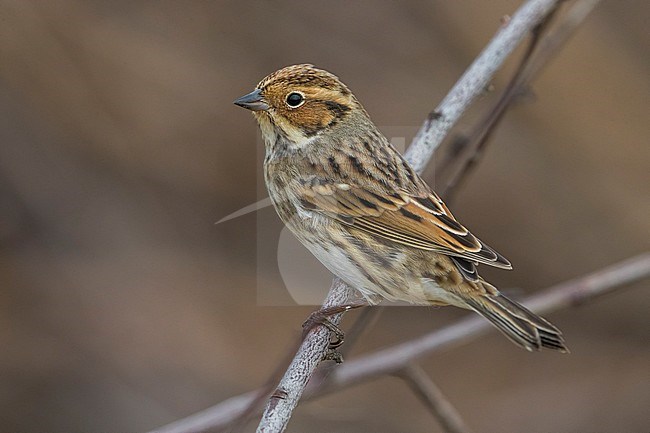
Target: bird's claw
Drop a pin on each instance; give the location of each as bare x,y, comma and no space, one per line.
320,317
333,355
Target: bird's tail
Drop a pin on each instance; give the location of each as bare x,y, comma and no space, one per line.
519,324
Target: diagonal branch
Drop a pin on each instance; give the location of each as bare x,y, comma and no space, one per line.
479,138
312,351
434,399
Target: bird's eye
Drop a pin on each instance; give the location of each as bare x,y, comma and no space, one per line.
295,99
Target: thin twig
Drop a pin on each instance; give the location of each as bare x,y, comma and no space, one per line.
427,391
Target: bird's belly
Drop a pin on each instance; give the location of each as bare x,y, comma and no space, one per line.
391,278
339,263
331,245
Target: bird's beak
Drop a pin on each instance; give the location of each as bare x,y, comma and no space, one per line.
253,101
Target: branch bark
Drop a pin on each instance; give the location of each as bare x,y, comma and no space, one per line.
311,352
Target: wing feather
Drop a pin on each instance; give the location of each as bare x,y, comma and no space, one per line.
418,220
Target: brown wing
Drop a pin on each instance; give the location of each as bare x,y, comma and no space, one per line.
422,221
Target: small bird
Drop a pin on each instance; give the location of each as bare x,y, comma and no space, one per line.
352,200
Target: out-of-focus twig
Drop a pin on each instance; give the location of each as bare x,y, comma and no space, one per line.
434,399
475,79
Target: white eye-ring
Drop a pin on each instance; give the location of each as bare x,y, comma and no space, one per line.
295,99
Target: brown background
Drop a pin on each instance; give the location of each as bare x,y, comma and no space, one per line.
123,307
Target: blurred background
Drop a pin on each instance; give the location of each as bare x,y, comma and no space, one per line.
124,307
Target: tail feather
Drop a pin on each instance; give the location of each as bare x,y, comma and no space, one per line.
519,324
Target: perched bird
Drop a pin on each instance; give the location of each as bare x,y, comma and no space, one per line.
360,208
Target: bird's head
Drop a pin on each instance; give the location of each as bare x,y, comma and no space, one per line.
299,102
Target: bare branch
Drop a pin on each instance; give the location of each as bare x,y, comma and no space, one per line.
311,352
434,399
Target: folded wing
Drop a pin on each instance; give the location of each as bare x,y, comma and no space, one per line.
420,221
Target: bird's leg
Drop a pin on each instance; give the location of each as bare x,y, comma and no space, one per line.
321,317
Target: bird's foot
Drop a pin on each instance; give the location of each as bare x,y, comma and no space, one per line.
322,317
